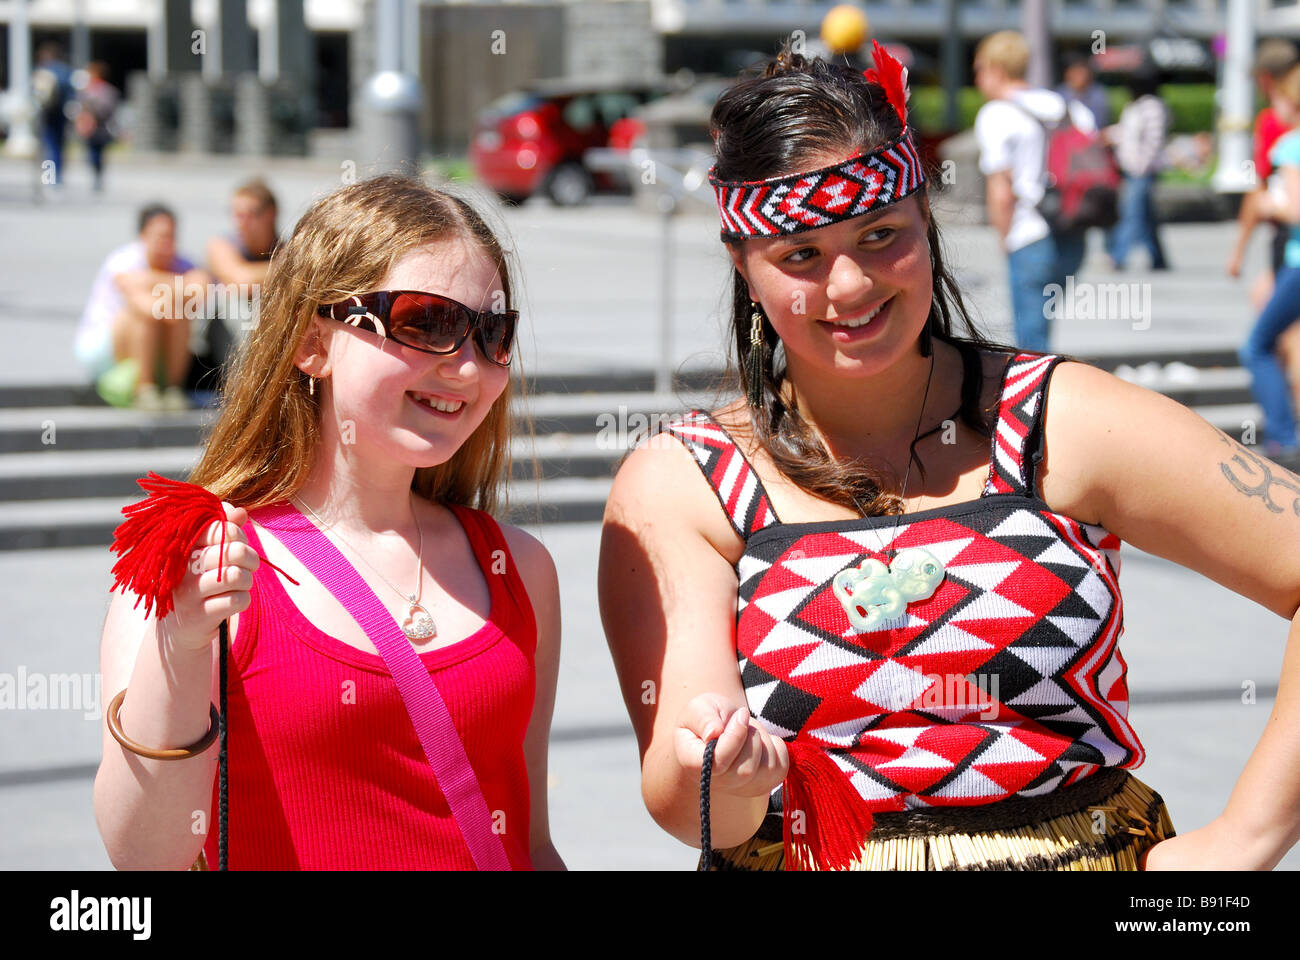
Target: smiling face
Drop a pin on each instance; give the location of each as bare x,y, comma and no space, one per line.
372,382
817,287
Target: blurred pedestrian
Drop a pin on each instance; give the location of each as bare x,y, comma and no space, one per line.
1012,130
95,118
238,260
1258,353
138,315
1079,83
1273,60
1139,140
242,255
52,89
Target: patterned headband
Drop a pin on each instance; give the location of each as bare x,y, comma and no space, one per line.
849,188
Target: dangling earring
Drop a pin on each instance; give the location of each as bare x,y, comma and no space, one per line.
927,346
755,361
311,386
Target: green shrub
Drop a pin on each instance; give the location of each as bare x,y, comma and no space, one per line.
1191,106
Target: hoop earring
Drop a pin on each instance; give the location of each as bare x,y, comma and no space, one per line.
755,361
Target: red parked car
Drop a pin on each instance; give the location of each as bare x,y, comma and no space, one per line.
533,139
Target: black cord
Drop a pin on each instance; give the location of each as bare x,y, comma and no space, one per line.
222,796
706,774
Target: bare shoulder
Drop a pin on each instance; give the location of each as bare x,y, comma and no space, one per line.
535,562
1095,420
660,490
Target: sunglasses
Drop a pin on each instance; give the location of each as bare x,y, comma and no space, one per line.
428,322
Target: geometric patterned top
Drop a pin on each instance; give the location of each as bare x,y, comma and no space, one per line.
1008,680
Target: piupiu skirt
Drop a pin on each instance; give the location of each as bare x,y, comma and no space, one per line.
1105,821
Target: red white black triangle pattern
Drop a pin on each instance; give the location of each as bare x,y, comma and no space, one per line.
806,201
725,468
1008,680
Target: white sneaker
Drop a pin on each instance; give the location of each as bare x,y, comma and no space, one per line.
175,400
148,398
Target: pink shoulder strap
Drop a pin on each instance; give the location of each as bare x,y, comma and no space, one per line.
433,724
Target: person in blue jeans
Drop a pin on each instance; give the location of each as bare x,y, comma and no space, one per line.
1258,354
1031,270
1139,140
1011,130
52,83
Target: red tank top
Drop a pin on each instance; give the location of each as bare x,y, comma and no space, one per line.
325,769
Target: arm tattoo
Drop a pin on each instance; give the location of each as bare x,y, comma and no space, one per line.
1255,477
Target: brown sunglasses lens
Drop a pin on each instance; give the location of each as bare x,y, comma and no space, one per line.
432,323
426,322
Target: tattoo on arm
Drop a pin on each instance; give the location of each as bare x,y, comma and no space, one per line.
1256,477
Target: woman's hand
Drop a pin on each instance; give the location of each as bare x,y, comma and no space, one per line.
747,761
1215,846
201,602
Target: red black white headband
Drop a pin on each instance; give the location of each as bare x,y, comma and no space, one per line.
805,201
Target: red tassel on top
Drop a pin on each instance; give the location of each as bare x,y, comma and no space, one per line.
825,818
891,75
155,540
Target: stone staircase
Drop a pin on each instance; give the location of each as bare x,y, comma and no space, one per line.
68,463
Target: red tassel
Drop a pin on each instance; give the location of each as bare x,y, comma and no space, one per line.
825,818
155,540
891,75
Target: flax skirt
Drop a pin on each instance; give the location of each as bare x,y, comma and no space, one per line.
1104,822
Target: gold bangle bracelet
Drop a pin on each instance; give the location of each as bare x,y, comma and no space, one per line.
179,753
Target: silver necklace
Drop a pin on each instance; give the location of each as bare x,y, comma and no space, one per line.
419,624
873,591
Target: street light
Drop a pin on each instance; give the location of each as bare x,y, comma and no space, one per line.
1235,172
678,175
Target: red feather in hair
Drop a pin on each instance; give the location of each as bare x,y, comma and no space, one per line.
155,539
892,76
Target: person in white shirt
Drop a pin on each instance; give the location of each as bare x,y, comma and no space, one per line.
136,310
1139,140
1011,129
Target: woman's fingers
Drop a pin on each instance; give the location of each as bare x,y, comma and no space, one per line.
733,743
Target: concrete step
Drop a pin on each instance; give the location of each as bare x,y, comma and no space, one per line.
30,429
90,521
609,414
67,467
55,473
77,521
637,380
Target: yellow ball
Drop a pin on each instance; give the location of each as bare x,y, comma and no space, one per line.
844,29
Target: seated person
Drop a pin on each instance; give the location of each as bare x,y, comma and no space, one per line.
238,260
136,311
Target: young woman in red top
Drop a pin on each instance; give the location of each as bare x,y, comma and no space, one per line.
755,608
392,438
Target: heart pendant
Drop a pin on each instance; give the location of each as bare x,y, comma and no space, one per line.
871,592
419,625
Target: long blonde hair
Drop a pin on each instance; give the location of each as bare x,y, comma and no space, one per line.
264,442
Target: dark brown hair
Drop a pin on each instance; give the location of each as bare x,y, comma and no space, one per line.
770,124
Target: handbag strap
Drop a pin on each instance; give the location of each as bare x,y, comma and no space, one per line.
433,724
